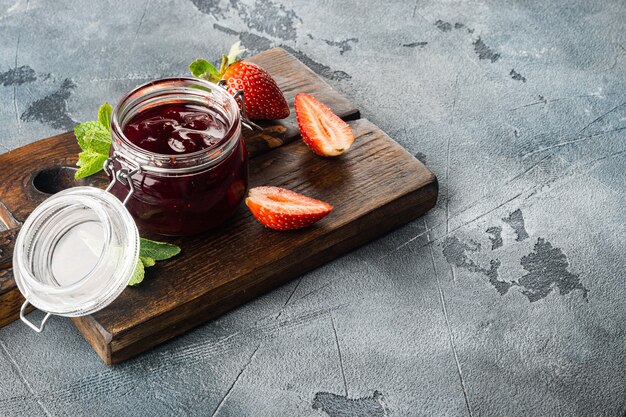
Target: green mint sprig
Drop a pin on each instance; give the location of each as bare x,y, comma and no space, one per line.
94,139
150,252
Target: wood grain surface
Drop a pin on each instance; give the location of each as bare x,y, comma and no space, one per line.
374,188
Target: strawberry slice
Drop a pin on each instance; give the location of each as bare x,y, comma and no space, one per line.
321,129
281,209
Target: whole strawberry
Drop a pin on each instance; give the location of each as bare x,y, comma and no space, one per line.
262,97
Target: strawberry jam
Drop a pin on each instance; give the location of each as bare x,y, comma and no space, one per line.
193,159
175,129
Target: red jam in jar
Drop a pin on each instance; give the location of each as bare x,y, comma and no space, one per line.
173,129
183,137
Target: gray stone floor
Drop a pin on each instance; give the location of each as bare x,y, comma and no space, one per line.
508,299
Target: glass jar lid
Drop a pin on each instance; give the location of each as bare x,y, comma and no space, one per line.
76,252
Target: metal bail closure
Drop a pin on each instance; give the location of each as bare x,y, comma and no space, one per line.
239,98
124,176
30,324
75,253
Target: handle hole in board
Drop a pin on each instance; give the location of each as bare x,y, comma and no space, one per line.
54,179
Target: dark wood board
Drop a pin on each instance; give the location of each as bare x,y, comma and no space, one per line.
374,188
47,164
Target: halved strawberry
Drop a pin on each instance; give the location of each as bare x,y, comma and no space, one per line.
262,97
281,209
321,129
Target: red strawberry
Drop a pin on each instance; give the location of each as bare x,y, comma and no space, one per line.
281,209
262,97
321,129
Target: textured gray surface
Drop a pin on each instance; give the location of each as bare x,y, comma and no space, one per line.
506,300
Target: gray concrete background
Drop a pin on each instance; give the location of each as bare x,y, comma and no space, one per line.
508,299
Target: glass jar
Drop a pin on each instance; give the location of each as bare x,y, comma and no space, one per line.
187,193
75,253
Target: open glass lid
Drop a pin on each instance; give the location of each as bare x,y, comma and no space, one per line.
75,253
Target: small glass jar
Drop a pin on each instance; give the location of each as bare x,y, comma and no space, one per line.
75,253
188,193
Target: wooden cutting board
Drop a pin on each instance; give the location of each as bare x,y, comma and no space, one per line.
375,187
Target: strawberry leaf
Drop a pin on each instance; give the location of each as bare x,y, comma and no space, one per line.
224,64
202,68
234,52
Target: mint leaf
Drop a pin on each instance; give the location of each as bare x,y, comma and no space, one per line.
151,251
138,274
98,141
83,128
158,251
89,162
104,116
202,68
94,138
147,262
